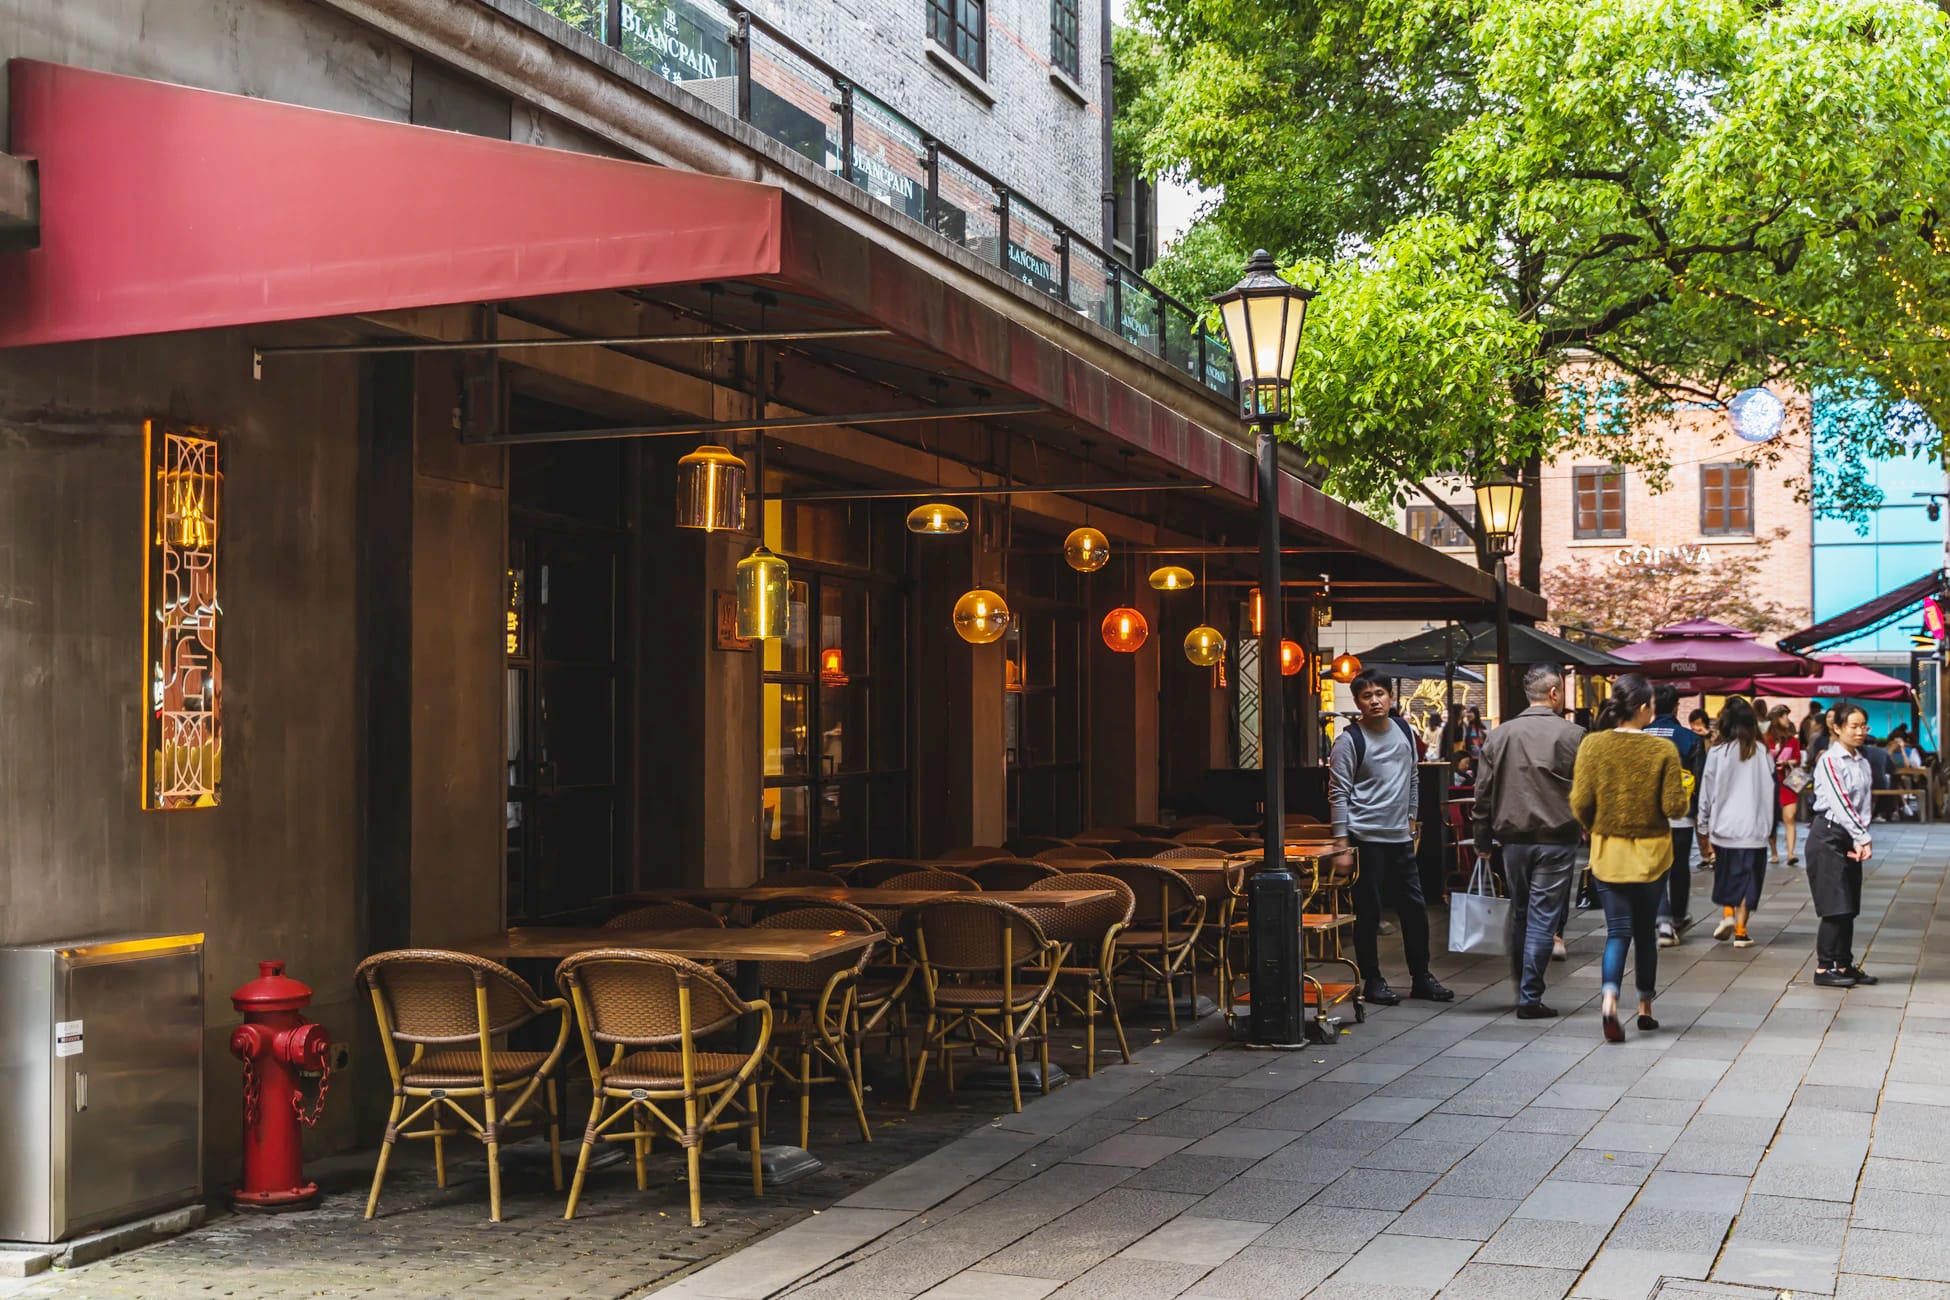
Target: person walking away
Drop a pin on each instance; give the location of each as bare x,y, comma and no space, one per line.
1625,789
1838,844
1373,791
1675,913
1737,802
1523,802
1784,744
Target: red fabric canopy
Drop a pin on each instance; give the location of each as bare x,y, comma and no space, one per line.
1700,649
1703,627
1841,678
167,208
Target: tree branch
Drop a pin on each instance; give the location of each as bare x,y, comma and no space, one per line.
1613,317
1677,387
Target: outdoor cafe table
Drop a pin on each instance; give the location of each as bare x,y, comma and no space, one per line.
885,899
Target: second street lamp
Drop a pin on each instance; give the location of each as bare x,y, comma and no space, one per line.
1499,513
1263,315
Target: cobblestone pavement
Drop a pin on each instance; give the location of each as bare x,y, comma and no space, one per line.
1770,1137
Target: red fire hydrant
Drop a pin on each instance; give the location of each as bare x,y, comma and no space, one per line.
278,1048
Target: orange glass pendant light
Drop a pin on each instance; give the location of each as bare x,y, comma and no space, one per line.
1292,658
1086,550
981,616
1125,630
1345,667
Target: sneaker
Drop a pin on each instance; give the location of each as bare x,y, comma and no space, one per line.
1743,941
1536,1011
1387,927
1668,936
1861,976
1429,991
1378,993
1558,952
1835,979
1724,928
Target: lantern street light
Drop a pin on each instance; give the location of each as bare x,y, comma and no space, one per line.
1499,514
1263,315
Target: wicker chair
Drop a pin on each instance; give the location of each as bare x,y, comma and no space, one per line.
806,876
650,1009
664,916
871,875
448,1008
1143,848
1211,834
1010,873
1091,931
987,971
1072,853
818,1002
1164,932
937,879
1202,852
1031,846
975,853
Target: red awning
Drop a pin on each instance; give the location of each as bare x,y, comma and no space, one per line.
1840,678
168,208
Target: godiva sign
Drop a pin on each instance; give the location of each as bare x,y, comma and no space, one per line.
1655,557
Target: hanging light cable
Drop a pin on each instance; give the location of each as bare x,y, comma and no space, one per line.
1205,645
936,518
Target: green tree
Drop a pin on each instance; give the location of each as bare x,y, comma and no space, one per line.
1526,214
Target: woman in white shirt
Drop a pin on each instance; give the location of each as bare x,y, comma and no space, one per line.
1838,845
1736,815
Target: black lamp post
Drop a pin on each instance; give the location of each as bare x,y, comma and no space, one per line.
1263,315
1499,512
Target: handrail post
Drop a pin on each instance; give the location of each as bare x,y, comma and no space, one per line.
1158,319
933,159
1063,261
613,24
1116,297
1002,232
846,130
744,42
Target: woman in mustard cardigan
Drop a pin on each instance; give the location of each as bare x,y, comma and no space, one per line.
1625,788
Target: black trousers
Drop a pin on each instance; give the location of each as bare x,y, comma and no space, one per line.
1388,872
1835,943
1676,906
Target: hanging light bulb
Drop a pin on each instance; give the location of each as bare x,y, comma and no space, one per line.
1258,613
711,490
1345,667
1086,550
981,616
1205,646
1292,658
937,519
1172,577
764,612
1125,630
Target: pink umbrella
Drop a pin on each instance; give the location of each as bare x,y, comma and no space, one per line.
1841,678
1703,627
1700,648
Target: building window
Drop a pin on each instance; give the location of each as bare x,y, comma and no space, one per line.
1433,527
961,28
1063,36
1598,495
1726,500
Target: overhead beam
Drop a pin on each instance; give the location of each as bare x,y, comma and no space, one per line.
565,341
695,429
989,490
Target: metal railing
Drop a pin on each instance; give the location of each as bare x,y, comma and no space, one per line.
741,64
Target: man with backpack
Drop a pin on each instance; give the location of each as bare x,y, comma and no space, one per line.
1373,791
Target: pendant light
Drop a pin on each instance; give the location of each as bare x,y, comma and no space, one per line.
1292,658
764,612
937,518
1345,667
1172,577
711,490
1205,646
1125,630
1086,550
981,616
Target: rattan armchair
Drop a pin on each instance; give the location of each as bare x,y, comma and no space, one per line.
1072,853
974,853
1164,933
664,916
1091,931
935,879
649,1009
873,874
818,1001
446,1009
987,972
1210,833
804,876
1144,848
1010,873
1032,846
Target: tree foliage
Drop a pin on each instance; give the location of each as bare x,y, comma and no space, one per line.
1652,589
1674,199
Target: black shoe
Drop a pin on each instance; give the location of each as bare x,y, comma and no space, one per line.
1378,993
1835,979
1430,991
1648,1023
1861,976
1535,1011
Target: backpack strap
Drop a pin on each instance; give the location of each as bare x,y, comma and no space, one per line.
1360,734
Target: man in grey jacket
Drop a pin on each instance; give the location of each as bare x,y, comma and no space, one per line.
1523,800
1372,788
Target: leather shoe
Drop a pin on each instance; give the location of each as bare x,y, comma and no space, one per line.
1861,976
1430,991
1379,994
1536,1011
1834,979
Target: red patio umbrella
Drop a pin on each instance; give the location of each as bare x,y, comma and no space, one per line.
1841,678
1700,648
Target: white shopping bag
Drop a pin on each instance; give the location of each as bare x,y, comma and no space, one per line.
1477,918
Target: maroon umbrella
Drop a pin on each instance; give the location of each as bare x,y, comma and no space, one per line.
1841,678
1699,648
1703,627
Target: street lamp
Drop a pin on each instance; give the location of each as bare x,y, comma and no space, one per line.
1499,513
1263,315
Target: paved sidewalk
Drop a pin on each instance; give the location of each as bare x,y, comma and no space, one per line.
1770,1137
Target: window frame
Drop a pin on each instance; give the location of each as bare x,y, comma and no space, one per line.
1598,474
949,26
1726,507
1443,525
1069,42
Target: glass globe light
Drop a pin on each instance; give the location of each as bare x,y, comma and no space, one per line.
1172,577
981,616
937,519
1292,658
1345,667
1205,646
711,490
764,612
1086,550
1125,630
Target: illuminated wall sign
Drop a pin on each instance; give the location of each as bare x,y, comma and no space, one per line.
1933,621
182,749
1657,557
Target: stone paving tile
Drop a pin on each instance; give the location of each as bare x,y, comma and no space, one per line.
1923,1257
1328,1229
1184,1172
1267,1273
1465,1218
1129,1149
1376,1189
991,1286
1509,1282
1254,1142
1210,1242
1852,1286
1089,1234
1788,1266
1262,1200
1131,1279
1406,1153
1424,1263
1544,1243
1558,1200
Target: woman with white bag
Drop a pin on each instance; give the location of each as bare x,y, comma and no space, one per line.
1736,815
1625,789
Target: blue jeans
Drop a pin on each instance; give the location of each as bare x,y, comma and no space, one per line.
1632,921
1539,876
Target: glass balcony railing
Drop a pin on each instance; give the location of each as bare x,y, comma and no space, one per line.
735,61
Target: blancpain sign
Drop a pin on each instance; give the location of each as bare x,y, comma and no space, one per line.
1653,557
665,33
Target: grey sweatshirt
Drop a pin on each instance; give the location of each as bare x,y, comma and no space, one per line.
1377,803
1737,797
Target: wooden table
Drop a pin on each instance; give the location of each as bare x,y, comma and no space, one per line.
891,899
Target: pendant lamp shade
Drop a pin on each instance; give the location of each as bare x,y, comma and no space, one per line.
1125,630
1205,646
1292,658
764,612
1172,577
1086,550
1345,667
981,616
711,490
937,519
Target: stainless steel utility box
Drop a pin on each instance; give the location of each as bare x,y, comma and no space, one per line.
101,1082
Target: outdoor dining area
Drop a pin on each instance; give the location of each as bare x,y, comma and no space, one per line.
688,1016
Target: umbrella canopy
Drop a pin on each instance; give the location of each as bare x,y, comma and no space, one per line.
1419,672
1841,678
1703,627
1475,643
1700,648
